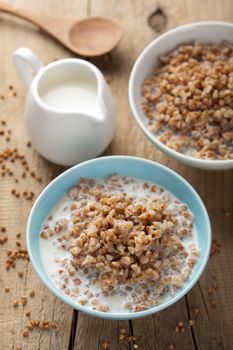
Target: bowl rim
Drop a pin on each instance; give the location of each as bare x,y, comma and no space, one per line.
109,315
183,158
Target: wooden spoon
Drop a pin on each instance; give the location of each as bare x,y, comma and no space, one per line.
90,37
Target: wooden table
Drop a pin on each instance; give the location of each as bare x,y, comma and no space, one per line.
213,328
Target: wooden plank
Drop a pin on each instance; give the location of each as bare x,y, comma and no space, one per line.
93,333
14,212
158,331
213,326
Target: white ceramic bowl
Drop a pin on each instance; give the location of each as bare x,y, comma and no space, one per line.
207,32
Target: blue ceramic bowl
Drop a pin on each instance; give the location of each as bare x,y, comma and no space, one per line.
136,167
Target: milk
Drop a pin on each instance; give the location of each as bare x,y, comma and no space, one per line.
72,95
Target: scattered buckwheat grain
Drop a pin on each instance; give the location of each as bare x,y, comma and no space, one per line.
15,303
25,333
32,293
105,344
191,323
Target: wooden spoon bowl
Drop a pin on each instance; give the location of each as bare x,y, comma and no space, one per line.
95,36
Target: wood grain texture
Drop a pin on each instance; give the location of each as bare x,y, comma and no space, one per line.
213,325
100,331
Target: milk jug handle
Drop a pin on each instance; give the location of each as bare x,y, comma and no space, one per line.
27,65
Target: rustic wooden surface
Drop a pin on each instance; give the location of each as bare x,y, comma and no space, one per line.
213,326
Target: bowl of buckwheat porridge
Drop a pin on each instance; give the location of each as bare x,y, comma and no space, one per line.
119,237
181,94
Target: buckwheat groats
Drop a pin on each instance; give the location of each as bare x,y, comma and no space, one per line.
119,244
188,100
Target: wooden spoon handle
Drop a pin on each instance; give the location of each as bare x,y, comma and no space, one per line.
21,13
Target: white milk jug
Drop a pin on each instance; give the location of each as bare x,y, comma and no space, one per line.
69,109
